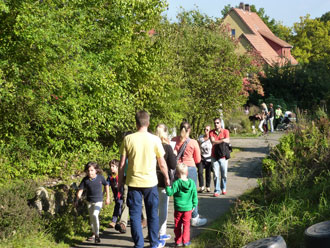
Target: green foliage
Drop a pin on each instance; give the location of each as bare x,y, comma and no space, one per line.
212,70
238,120
292,195
311,40
16,216
32,240
71,78
303,86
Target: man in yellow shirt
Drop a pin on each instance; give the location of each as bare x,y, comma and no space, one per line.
142,150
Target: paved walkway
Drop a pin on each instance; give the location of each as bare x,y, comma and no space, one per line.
243,171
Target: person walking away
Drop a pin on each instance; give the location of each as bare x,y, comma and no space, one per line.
185,200
188,152
117,192
206,149
219,166
143,150
170,158
278,116
271,115
264,113
122,224
92,183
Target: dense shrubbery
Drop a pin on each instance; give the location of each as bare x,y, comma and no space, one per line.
16,216
73,74
292,195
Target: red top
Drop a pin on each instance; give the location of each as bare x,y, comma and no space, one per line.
192,153
224,133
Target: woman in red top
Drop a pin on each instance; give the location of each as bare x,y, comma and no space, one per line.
188,152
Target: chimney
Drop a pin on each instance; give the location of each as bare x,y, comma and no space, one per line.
241,5
247,7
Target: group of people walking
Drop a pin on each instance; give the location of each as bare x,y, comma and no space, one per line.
152,168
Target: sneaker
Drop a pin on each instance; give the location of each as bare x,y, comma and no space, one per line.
112,224
179,245
201,190
197,221
208,189
216,194
161,244
97,240
187,244
224,192
165,237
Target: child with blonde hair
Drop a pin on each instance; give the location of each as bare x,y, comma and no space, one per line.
185,200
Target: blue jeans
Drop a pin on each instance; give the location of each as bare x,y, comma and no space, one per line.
192,174
134,203
219,167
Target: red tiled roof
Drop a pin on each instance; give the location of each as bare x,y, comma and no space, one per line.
252,20
260,31
274,38
266,51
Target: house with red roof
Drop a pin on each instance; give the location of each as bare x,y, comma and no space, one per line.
252,33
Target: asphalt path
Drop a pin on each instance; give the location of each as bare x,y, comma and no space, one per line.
243,171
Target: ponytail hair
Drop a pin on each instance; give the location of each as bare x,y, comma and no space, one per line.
184,130
162,133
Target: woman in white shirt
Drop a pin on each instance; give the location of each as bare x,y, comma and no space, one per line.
206,149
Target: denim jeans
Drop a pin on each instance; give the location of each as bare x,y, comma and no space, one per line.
117,209
134,203
220,167
192,174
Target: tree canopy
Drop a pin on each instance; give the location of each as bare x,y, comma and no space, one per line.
74,73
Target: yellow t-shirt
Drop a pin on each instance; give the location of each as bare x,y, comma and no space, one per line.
142,150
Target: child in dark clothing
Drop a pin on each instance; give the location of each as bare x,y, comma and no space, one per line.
117,193
92,184
185,200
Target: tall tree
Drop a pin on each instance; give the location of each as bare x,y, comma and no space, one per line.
312,40
213,72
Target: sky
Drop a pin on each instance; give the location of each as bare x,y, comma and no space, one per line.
285,11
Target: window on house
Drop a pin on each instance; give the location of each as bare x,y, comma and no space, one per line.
233,33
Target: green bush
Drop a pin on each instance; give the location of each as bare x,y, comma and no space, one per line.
16,216
292,195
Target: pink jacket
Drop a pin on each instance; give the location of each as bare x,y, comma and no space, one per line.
192,153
